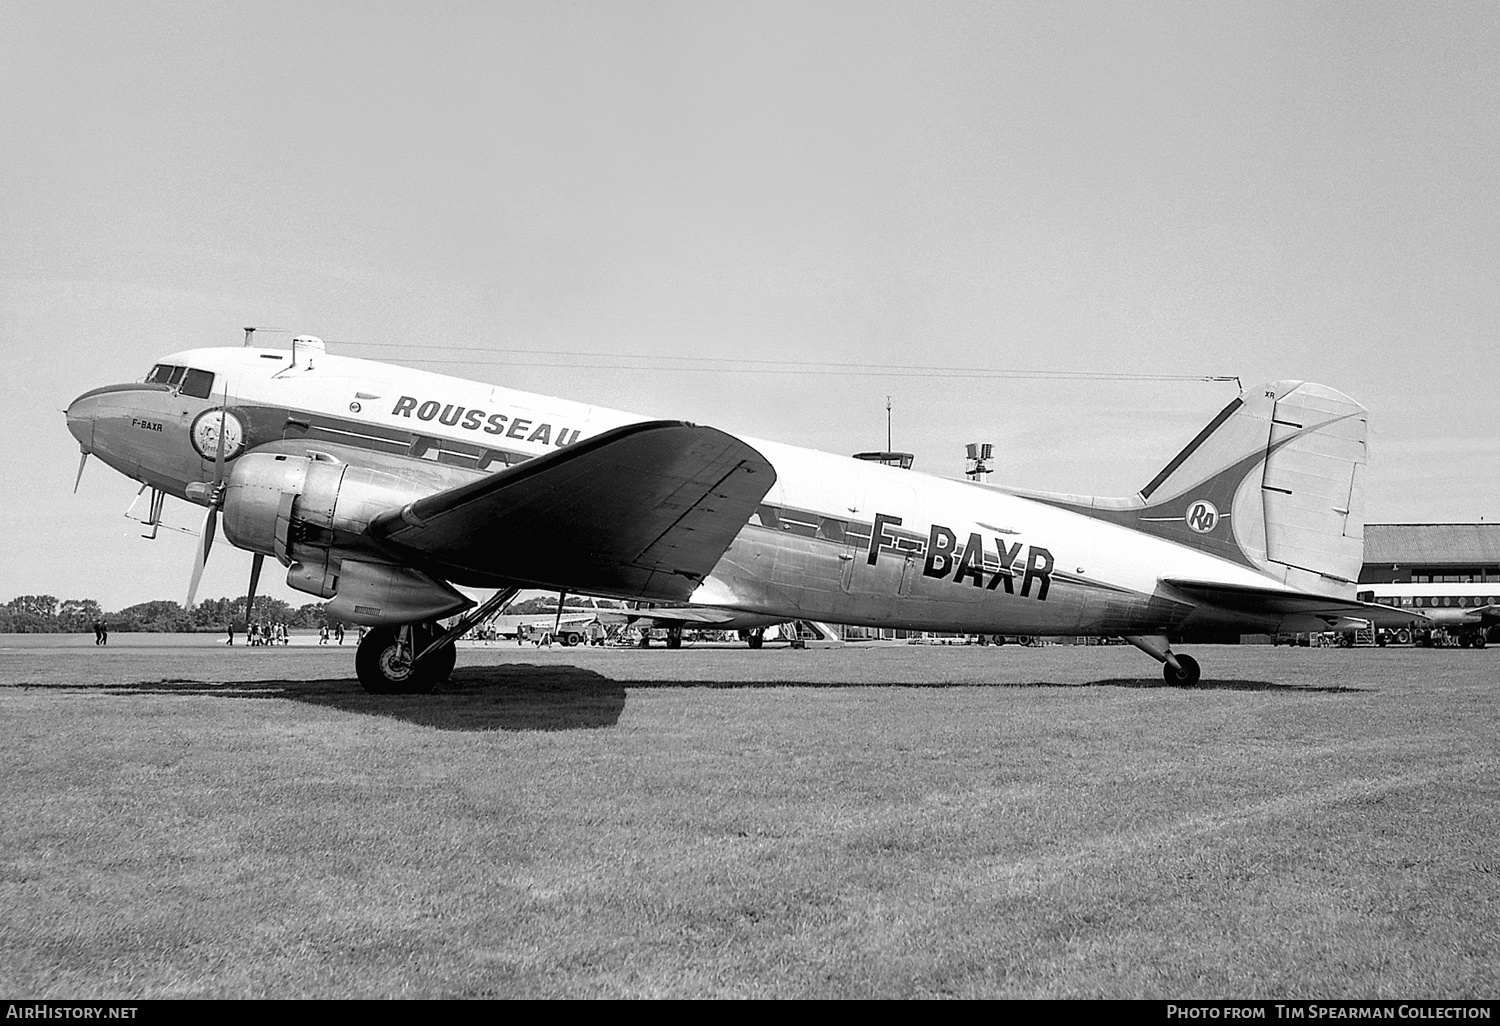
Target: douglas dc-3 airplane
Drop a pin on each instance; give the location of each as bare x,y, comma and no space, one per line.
381,488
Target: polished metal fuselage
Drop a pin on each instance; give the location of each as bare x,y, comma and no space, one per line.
836,539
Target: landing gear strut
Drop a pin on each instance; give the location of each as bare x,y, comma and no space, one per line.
412,658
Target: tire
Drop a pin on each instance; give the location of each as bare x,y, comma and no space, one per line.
1189,675
380,673
1481,639
439,665
756,639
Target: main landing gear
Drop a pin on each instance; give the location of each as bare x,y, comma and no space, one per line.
412,658
387,662
1181,670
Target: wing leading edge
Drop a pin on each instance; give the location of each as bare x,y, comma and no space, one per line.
644,510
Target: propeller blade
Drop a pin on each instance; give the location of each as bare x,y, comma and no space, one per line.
81,461
205,542
255,565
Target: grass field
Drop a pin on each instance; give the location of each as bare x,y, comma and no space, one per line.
182,819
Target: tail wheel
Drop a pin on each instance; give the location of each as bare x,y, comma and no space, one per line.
1187,677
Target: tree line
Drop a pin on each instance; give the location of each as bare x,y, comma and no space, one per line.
45,614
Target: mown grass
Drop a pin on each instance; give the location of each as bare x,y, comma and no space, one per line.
864,823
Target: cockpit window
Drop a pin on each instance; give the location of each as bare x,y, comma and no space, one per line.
197,383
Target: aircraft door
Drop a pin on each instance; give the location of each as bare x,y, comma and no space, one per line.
885,503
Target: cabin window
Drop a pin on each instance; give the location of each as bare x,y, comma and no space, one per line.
197,383
801,528
831,529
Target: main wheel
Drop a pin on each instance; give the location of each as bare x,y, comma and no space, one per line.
1481,639
674,637
440,664
756,639
384,669
1187,677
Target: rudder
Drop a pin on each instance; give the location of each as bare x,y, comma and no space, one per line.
1284,465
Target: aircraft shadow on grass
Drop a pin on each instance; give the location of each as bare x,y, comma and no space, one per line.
1142,683
1218,685
513,697
529,697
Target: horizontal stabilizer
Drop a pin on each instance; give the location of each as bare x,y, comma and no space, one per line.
644,510
1333,611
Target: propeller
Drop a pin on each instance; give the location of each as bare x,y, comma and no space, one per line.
215,496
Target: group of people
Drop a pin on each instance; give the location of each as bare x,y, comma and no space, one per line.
101,632
274,634
262,634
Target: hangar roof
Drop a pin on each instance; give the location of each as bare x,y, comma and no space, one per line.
1433,543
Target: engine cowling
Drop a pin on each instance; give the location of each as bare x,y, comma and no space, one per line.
310,512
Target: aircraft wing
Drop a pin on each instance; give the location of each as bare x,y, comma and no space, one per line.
644,510
1333,611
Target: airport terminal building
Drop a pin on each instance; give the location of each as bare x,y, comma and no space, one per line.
1426,553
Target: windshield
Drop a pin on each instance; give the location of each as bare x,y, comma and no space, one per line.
188,380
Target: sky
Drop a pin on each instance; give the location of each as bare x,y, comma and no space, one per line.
611,201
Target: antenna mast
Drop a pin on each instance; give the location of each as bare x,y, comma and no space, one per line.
979,454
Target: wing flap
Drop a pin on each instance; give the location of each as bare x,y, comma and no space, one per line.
644,510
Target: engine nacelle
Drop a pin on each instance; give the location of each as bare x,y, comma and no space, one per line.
269,494
378,593
310,512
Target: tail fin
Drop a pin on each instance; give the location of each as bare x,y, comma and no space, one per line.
1284,465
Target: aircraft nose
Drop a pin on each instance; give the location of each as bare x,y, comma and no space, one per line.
81,414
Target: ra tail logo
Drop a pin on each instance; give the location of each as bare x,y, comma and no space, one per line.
1202,516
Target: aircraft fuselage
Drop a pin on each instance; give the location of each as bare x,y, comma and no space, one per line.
835,539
